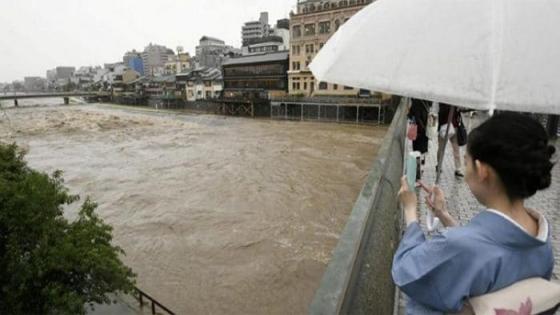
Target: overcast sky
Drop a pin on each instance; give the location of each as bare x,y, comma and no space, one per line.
37,35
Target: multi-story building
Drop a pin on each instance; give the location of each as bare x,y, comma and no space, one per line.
59,76
154,58
211,52
133,60
64,72
200,84
180,63
277,40
255,29
34,83
51,75
84,76
311,26
122,77
264,72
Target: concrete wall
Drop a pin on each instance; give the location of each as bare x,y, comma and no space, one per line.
358,277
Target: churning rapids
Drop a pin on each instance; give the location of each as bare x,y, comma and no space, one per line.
217,215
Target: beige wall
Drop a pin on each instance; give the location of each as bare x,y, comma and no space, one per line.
129,76
305,47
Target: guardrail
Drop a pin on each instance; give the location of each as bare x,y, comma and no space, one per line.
154,303
327,100
358,277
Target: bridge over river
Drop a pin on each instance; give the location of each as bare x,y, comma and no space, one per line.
65,95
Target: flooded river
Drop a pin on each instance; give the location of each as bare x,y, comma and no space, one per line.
217,215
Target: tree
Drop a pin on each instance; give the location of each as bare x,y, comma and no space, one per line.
49,265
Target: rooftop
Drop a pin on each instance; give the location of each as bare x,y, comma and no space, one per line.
265,57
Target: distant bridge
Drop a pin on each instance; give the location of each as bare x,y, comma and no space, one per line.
65,95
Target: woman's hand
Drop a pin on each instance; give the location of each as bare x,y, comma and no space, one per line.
409,202
436,201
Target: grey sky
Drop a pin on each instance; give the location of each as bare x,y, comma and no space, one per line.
37,35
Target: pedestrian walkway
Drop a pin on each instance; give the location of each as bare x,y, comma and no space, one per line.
463,206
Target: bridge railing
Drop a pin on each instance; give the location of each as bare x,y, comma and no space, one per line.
358,277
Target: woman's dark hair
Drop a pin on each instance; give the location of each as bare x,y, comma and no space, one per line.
516,146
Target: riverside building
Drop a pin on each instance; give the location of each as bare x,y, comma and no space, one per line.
314,22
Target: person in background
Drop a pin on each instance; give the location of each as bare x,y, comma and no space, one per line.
419,113
443,118
508,160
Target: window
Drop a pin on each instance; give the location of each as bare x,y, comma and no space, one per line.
323,85
296,31
309,29
296,65
295,50
335,86
309,49
305,85
296,85
324,27
348,87
336,25
321,45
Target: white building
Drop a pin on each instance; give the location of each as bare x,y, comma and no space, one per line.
277,40
255,29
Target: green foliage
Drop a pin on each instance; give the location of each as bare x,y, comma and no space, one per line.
47,264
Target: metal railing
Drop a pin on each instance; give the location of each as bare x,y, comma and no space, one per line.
154,303
328,100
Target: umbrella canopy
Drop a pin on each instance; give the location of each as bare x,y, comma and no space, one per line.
481,54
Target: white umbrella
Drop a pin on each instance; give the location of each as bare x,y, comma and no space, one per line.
482,54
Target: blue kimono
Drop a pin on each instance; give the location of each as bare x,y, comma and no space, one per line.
488,254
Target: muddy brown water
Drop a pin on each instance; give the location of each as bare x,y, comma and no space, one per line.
217,215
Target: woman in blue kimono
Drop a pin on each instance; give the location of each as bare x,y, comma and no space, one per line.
508,160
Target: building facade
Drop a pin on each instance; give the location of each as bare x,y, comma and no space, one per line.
211,52
311,26
35,83
266,72
133,60
154,58
180,63
64,72
200,84
255,29
278,39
